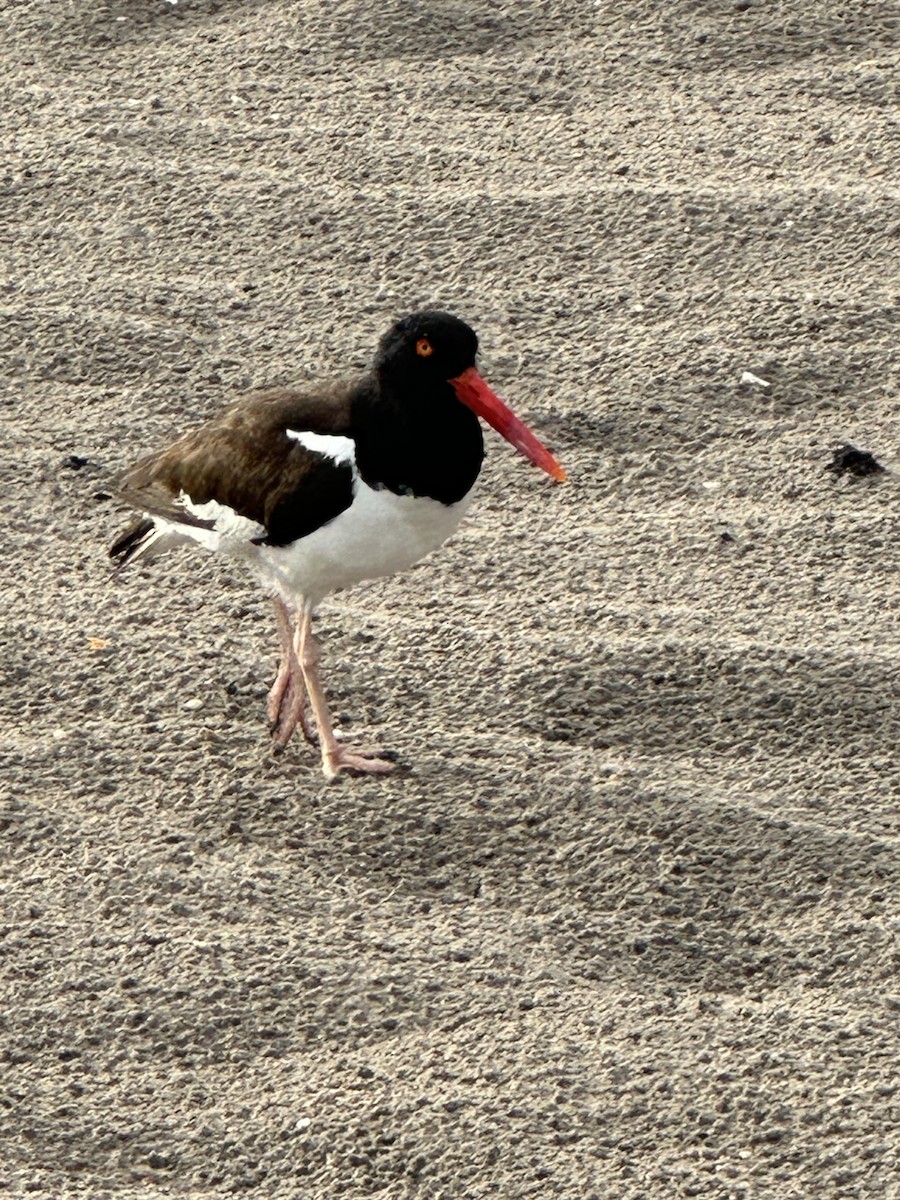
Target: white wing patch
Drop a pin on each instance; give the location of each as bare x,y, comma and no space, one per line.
339,449
227,523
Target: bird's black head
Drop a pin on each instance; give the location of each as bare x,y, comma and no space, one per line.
416,422
427,346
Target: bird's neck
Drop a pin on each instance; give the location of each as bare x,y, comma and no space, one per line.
423,443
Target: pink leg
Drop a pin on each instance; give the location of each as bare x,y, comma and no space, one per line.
288,704
335,757
282,679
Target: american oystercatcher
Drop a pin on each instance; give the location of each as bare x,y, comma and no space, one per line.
317,490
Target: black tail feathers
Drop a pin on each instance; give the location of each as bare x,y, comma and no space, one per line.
131,541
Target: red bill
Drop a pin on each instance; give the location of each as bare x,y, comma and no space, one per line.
475,394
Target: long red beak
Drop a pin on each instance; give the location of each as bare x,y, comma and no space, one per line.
475,394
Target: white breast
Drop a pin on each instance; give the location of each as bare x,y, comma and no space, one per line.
379,533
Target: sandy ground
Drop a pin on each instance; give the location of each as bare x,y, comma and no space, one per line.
622,926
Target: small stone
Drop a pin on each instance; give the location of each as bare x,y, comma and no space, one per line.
847,460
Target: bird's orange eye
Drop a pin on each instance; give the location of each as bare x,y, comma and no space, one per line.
424,348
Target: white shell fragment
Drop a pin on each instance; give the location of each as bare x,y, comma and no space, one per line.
749,377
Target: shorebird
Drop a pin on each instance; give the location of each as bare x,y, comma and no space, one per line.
318,489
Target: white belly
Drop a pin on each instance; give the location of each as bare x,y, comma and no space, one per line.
379,533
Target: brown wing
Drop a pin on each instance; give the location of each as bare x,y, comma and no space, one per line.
244,459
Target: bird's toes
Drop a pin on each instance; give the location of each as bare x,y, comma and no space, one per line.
357,763
309,730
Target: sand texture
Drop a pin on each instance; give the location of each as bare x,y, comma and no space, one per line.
621,927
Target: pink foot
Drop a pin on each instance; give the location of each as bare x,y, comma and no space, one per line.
341,758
